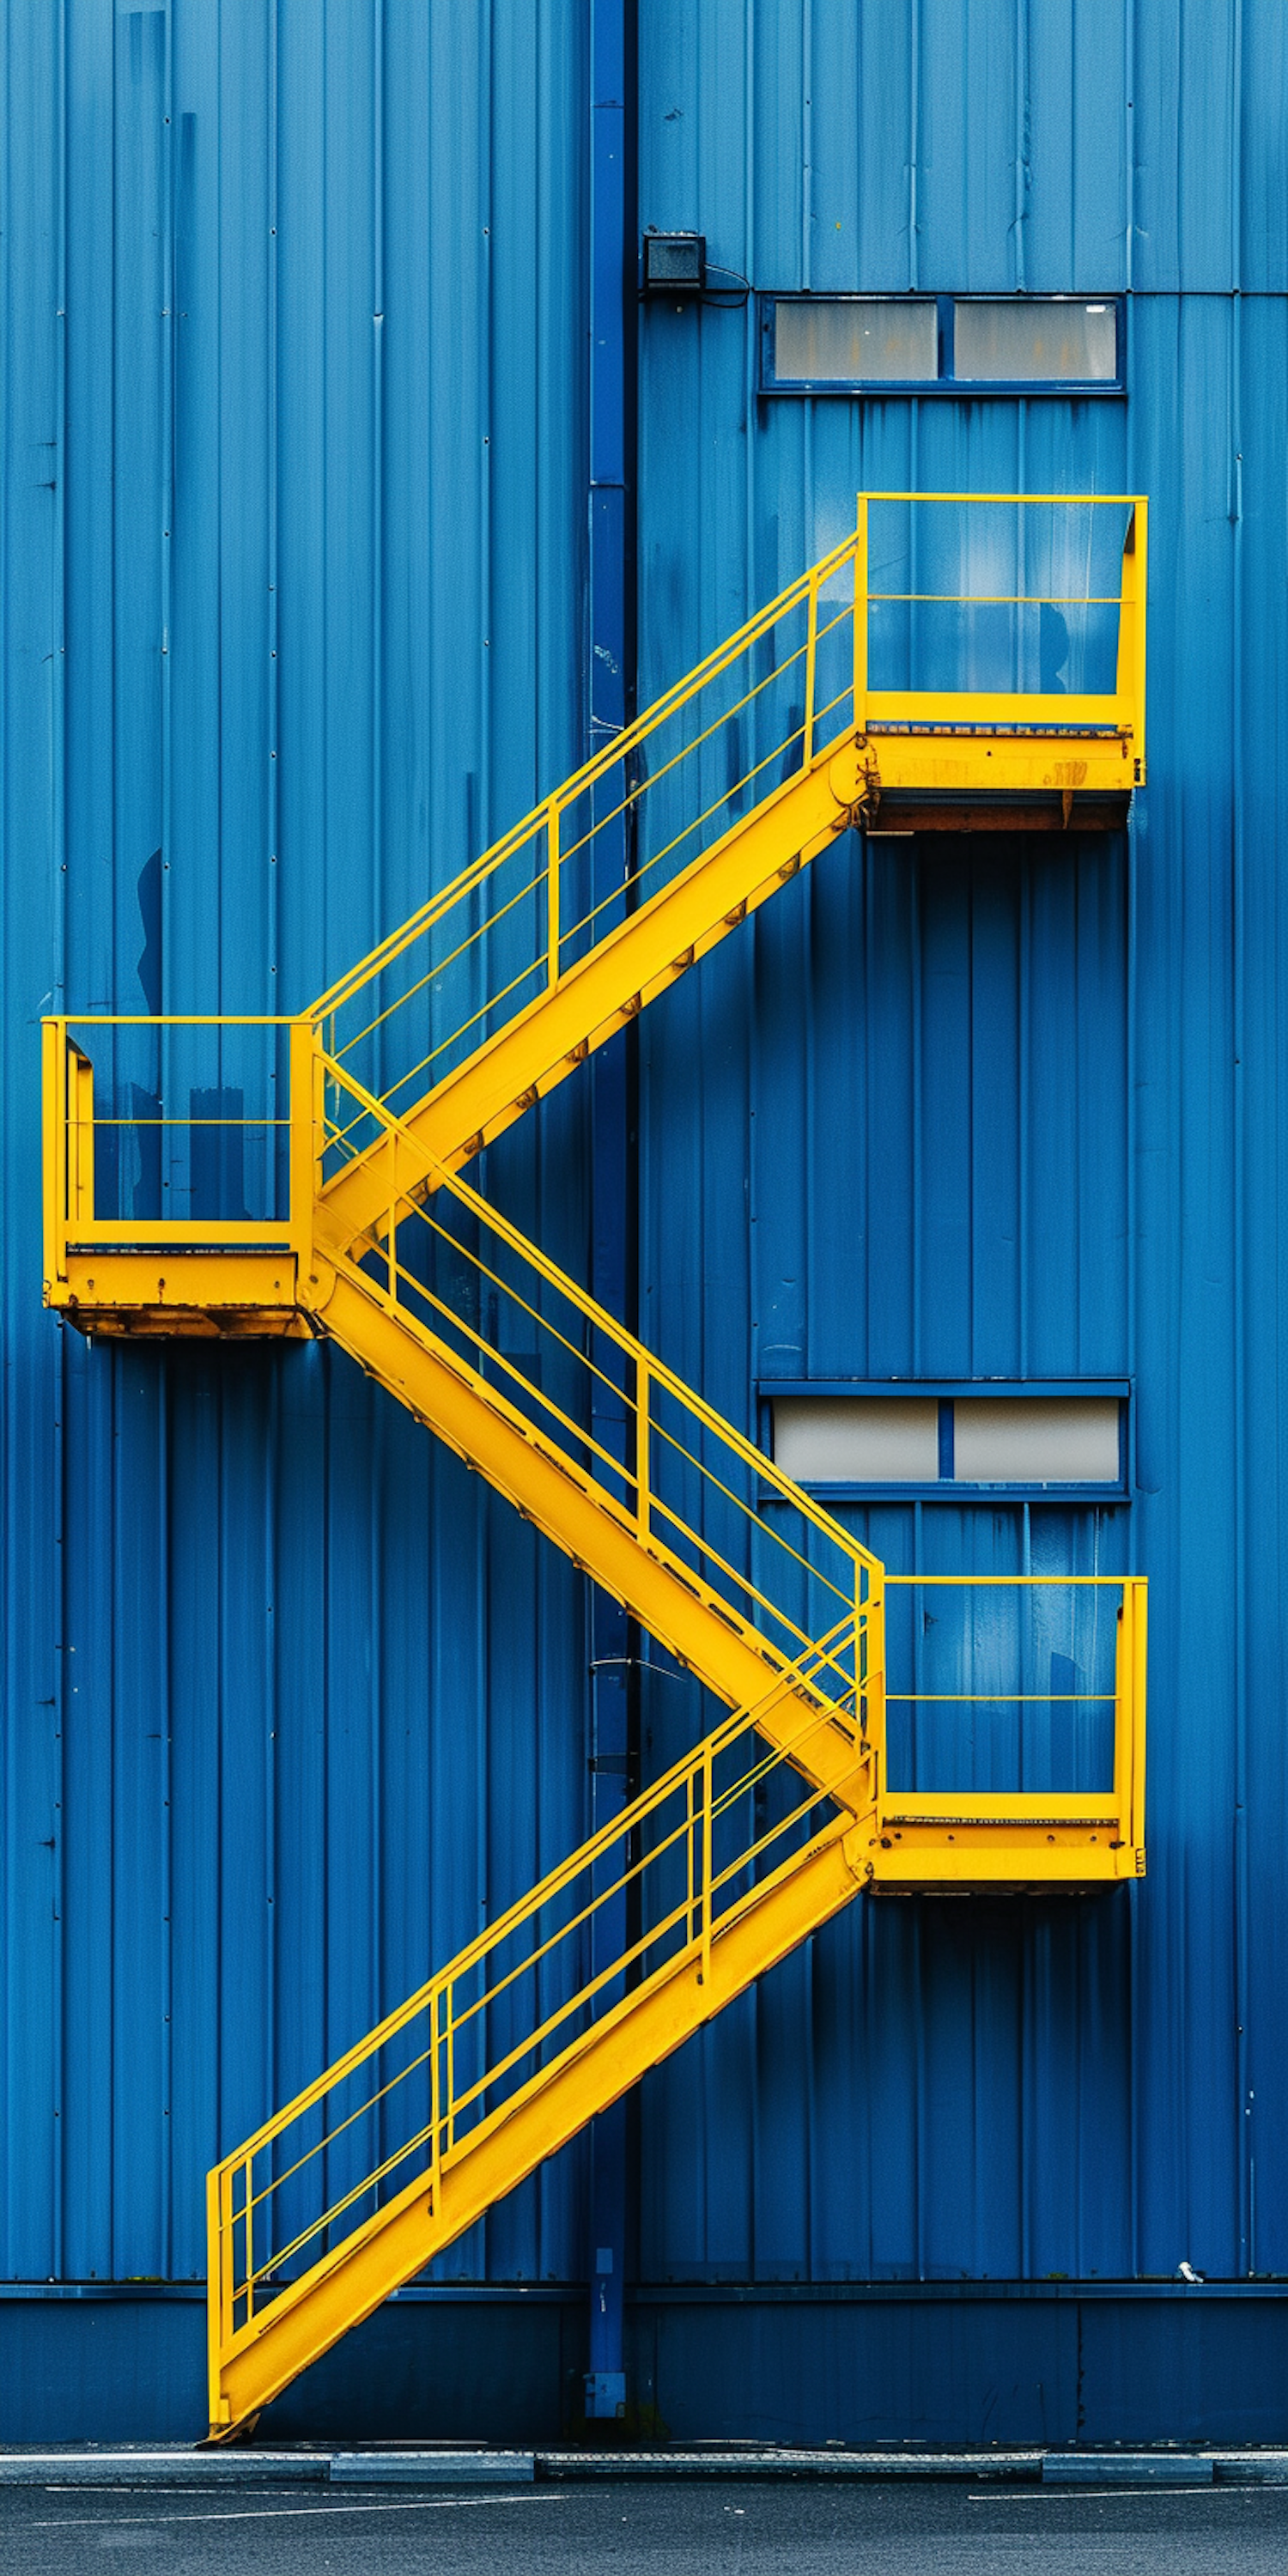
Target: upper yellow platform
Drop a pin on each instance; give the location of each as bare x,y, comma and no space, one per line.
1020,703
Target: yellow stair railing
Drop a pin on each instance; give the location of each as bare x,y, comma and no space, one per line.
510,2049
376,2167
336,1205
745,771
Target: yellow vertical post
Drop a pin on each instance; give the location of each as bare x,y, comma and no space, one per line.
1129,684
1141,516
306,1112
642,1384
227,2261
1123,1715
435,2101
219,2409
248,2197
706,1863
392,1142
1129,1712
811,651
688,1846
861,618
1139,1643
53,1089
80,1097
451,2072
874,1679
553,824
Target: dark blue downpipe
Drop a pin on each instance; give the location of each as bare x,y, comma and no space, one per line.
611,639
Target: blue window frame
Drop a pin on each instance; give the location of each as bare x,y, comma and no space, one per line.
943,344
917,1440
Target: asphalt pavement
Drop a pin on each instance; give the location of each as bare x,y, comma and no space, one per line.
804,2528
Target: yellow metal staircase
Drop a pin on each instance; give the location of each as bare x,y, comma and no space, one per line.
369,1106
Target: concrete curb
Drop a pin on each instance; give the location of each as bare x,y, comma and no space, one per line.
447,2465
434,2468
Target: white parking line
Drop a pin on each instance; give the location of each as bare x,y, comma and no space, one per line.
1080,2495
278,2513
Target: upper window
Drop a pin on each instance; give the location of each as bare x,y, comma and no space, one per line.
1021,1438
843,344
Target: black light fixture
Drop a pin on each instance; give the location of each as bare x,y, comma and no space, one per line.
675,263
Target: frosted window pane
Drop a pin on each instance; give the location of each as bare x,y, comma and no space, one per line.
857,1440
869,342
1027,342
1028,1442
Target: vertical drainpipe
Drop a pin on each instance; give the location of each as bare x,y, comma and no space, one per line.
609,689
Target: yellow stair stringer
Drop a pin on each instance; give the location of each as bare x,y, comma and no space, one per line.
647,953
725,1652
347,2285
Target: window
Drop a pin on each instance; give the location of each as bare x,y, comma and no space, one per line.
1066,1442
937,1441
856,339
1054,341
945,344
841,1440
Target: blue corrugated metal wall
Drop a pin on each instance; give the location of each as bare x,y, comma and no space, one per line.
295,561
992,1111
294,556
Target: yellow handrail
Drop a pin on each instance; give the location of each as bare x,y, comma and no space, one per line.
704,1889
635,1490
516,892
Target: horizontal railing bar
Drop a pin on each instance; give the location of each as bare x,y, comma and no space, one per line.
174,1019
1022,500
258,1123
1011,1699
1104,1581
187,1233
994,599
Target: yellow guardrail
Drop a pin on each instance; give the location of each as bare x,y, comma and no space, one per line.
686,1485
522,1999
660,1462
800,678
1098,1623
224,1210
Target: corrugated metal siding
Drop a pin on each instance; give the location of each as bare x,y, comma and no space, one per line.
293,558
1000,1110
294,561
